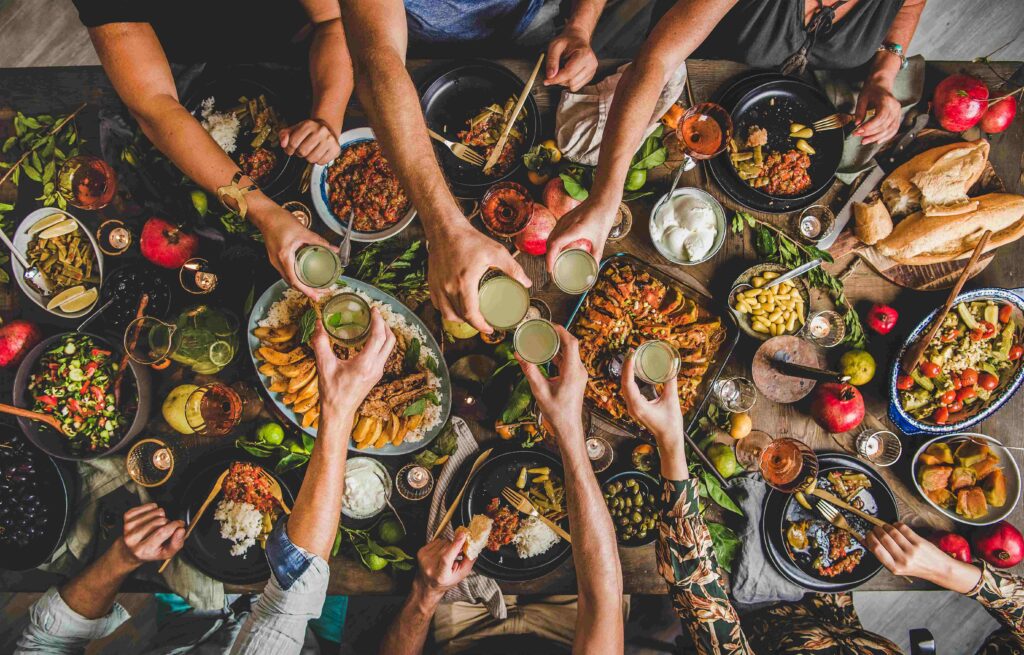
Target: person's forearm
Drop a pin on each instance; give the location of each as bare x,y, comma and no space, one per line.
330,71
408,634
584,15
92,592
672,453
313,523
886,65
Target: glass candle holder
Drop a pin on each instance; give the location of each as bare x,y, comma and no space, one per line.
113,237
825,328
196,276
150,462
414,482
879,447
734,394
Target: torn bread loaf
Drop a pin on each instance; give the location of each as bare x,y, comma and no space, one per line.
937,180
871,220
478,532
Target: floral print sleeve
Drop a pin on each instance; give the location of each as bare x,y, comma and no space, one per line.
1002,594
686,559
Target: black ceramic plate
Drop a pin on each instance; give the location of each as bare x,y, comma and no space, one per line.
458,94
225,90
780,509
773,104
499,471
205,548
56,490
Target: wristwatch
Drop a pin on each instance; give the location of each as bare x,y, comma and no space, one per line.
896,49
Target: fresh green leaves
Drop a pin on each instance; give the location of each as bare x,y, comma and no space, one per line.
411,362
716,493
420,405
574,187
292,453
307,325
518,402
443,446
726,542
651,153
373,555
400,272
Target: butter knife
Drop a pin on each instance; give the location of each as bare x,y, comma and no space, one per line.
451,510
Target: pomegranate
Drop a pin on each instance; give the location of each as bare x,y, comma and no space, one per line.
166,245
953,545
882,318
534,239
999,544
999,115
556,199
16,339
837,407
959,102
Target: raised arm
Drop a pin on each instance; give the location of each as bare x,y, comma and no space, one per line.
459,254
137,67
65,621
675,36
599,622
876,93
570,60
299,546
686,554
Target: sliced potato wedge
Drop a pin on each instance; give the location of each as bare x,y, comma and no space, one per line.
283,333
261,333
299,381
269,370
282,359
299,368
363,430
304,405
309,417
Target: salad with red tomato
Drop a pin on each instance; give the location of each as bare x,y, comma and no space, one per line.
74,382
976,350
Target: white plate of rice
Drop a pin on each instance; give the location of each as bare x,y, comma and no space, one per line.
280,304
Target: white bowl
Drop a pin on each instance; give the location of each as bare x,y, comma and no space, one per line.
359,464
720,223
21,241
318,194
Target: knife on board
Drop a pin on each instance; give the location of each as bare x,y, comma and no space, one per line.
874,177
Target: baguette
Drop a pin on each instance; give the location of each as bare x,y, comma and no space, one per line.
929,239
936,180
478,532
871,221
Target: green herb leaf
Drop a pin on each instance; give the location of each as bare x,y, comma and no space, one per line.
718,494
727,544
573,187
307,325
291,461
653,160
308,442
253,449
431,365
411,362
518,402
416,408
247,305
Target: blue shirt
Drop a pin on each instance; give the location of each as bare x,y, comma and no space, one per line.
461,21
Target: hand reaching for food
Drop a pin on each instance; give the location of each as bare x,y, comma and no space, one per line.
560,398
149,536
440,568
344,383
904,552
886,121
457,263
571,61
311,139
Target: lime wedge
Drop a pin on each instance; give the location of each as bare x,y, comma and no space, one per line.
45,222
66,226
221,353
81,301
64,296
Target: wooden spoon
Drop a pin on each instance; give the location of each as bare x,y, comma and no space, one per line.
914,352
195,519
35,416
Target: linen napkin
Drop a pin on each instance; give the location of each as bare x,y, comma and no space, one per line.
582,116
754,580
842,88
475,588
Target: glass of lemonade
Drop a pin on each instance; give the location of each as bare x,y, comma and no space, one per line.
575,270
503,300
657,362
346,317
317,266
536,341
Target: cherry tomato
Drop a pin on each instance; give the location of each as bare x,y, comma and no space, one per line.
965,393
950,336
1004,313
988,330
1016,352
957,382
947,397
941,415
930,369
987,381
904,382
969,377
955,406
977,334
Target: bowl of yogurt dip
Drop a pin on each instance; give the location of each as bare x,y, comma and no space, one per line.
688,227
367,488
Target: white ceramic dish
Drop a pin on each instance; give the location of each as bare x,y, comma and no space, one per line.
318,194
21,241
720,224
358,465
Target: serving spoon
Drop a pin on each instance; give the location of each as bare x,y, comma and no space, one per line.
35,416
31,274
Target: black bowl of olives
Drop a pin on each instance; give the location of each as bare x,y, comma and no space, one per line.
632,500
35,503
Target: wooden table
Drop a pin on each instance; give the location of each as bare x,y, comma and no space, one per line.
64,88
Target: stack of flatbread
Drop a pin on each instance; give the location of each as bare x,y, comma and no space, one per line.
940,223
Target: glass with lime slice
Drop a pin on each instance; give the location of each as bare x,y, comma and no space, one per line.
206,339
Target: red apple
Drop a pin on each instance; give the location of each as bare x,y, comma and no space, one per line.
534,239
837,407
999,115
953,545
556,199
959,102
16,339
167,245
999,544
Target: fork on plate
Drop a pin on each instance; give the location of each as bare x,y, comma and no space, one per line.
523,504
460,150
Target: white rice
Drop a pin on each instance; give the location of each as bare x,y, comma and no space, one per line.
534,537
222,126
293,304
240,523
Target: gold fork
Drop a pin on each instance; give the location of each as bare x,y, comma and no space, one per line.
275,491
836,518
460,150
522,503
837,120
195,519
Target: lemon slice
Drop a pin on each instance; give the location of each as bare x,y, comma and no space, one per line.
81,301
221,353
64,296
66,226
45,222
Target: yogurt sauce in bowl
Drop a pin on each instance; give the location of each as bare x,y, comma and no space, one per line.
689,227
367,488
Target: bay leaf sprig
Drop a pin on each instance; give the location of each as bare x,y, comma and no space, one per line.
774,245
402,272
45,142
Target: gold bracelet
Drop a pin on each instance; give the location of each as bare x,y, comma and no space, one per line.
236,193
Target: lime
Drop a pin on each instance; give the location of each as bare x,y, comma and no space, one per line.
724,459
459,330
374,562
200,202
270,433
291,445
221,353
636,179
390,532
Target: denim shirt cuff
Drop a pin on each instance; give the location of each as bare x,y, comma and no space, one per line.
52,615
287,561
